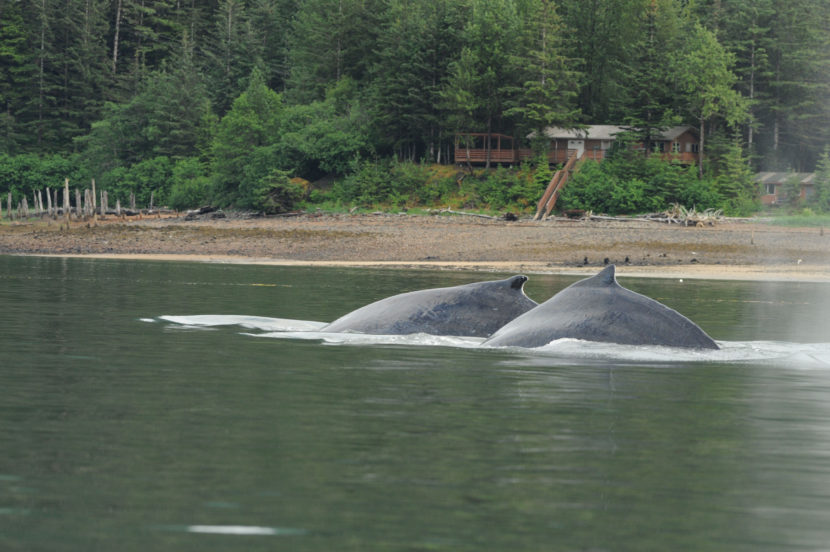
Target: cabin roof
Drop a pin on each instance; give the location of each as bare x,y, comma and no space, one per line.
781,177
594,132
608,132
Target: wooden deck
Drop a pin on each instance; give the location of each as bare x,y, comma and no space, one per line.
472,147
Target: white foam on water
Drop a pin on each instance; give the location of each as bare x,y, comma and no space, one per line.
794,355
346,338
241,530
250,322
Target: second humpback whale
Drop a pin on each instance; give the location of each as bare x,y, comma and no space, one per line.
600,309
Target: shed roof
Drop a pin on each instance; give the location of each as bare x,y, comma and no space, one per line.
781,177
608,132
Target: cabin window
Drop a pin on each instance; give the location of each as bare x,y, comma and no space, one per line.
675,147
659,147
693,147
770,189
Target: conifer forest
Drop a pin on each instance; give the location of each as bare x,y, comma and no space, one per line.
271,104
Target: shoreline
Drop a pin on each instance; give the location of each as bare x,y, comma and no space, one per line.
798,273
728,250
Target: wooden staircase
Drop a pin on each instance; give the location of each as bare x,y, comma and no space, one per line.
560,178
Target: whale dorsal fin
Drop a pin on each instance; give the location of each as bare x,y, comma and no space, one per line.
516,282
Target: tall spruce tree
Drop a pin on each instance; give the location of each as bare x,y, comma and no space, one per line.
415,46
604,31
14,73
331,39
646,106
231,54
270,23
744,28
799,113
546,83
481,80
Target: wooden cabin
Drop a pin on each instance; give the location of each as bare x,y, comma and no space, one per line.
678,143
773,185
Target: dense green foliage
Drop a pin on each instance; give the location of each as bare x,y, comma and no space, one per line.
615,187
226,101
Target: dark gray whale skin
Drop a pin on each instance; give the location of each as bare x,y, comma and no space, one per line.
476,310
600,309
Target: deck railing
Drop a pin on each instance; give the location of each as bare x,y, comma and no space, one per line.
500,152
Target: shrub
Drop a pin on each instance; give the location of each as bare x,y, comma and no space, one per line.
190,186
277,193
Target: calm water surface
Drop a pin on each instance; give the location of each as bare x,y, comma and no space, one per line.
124,430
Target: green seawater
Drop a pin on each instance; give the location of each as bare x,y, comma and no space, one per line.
122,431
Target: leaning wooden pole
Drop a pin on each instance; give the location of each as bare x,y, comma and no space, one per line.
540,207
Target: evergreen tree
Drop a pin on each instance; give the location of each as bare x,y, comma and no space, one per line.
148,33
735,183
648,99
158,121
242,149
14,73
548,83
798,111
270,22
331,39
85,78
232,54
604,33
481,80
744,30
416,44
821,182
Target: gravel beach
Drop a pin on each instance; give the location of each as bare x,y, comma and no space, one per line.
725,250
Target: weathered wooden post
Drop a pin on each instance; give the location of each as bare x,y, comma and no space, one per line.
66,201
132,201
94,213
25,208
77,204
118,207
9,205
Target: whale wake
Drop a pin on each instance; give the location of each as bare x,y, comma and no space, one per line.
792,355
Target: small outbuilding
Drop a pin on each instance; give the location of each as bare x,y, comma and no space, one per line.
773,186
